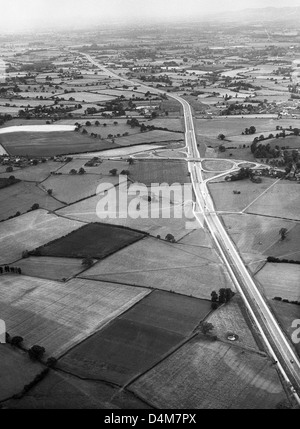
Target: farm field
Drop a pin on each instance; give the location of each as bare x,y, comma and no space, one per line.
36,173
231,318
92,240
160,265
215,375
88,97
52,392
104,131
72,188
16,371
51,268
59,315
173,124
240,154
292,142
29,231
103,209
283,200
280,280
286,314
176,313
235,126
225,199
21,197
195,240
290,247
51,143
155,136
137,339
26,102
248,231
156,171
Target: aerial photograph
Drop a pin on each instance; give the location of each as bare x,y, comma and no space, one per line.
150,207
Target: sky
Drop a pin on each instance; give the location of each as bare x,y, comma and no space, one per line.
19,15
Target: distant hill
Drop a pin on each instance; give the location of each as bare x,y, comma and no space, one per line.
268,14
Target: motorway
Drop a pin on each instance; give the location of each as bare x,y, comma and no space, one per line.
274,339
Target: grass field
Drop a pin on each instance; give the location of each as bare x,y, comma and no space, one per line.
230,318
225,199
26,102
171,123
30,231
211,375
59,315
72,188
243,154
136,340
149,172
217,165
50,144
286,314
102,209
50,268
248,231
16,370
93,240
282,200
290,247
36,173
52,392
156,264
292,142
88,97
21,197
235,126
149,137
104,131
281,280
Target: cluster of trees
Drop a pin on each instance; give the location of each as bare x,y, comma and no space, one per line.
278,298
161,78
81,171
5,118
114,172
224,296
248,131
87,262
264,151
4,183
36,352
6,269
274,260
92,162
243,173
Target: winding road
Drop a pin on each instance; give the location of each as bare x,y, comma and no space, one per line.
274,339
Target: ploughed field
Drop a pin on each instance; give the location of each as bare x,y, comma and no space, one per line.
136,340
58,315
206,374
